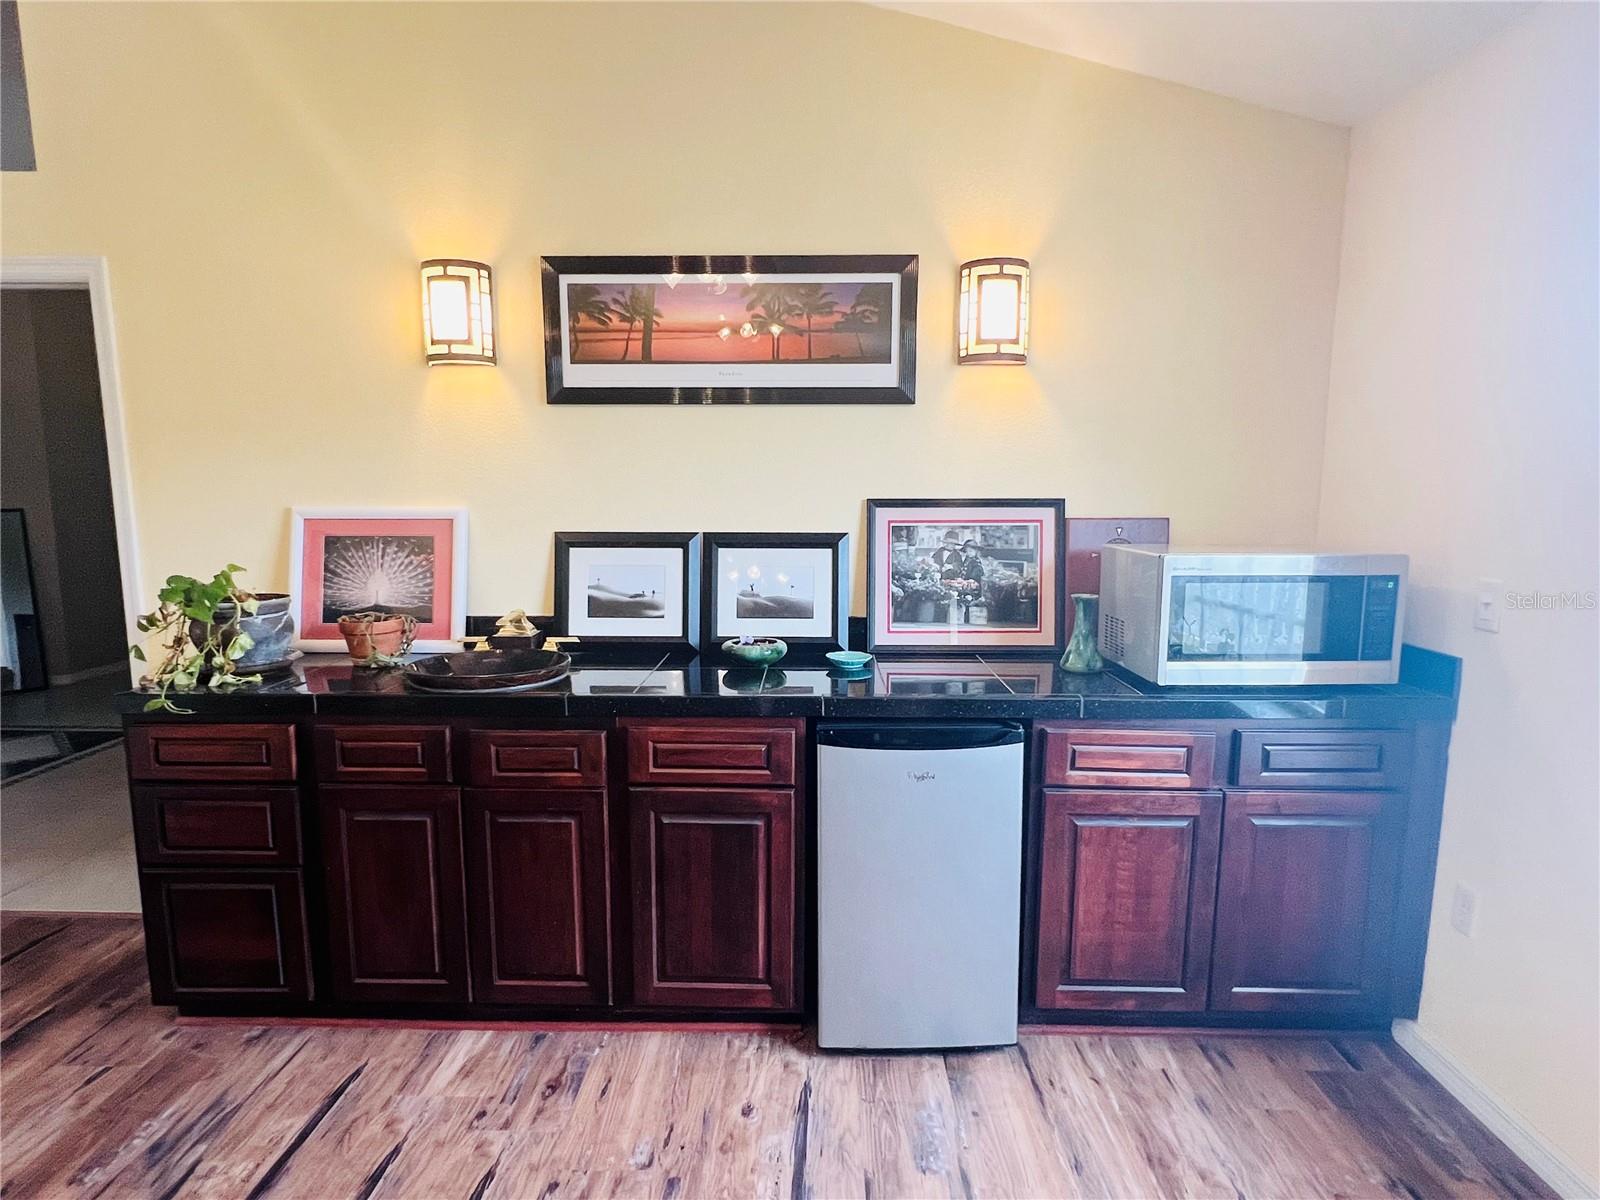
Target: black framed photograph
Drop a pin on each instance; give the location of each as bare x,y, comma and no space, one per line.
793,586
629,588
965,576
730,329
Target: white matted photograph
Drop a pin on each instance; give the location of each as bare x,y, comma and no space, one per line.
793,586
628,587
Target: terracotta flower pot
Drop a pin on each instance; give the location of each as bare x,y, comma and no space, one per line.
370,635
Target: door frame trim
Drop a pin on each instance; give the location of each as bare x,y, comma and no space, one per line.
92,272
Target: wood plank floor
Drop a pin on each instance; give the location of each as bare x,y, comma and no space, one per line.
104,1095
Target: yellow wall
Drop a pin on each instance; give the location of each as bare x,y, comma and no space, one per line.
263,180
1462,427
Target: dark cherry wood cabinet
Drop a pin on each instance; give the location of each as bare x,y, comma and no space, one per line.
225,934
1306,890
1221,871
713,897
537,886
1126,893
395,892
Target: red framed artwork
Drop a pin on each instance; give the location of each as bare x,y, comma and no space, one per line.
410,562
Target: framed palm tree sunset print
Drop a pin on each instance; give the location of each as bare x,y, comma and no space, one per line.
730,329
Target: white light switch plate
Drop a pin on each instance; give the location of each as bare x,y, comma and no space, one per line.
1486,612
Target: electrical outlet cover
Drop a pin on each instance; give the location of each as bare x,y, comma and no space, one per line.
1463,910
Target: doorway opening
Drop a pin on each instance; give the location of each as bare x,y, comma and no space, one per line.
63,649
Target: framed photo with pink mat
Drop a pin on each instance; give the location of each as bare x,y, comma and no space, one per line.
965,576
410,561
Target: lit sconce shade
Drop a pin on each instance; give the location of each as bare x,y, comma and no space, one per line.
994,311
457,312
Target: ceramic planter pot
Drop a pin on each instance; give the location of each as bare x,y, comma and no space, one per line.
271,628
368,636
761,652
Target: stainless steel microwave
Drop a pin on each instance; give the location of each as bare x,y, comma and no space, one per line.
1239,617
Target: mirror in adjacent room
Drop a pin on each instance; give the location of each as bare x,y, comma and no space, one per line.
21,643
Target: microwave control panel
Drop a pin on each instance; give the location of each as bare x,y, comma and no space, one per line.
1379,609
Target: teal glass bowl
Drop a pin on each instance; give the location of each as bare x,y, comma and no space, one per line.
849,660
761,653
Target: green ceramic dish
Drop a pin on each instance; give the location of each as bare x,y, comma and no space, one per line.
761,652
849,660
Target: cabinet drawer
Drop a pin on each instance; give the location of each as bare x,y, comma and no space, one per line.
212,753
1335,758
217,826
383,753
1132,758
537,758
713,753
223,934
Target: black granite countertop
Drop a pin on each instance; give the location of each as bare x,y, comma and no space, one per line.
329,685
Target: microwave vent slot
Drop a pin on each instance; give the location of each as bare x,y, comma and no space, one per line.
1113,636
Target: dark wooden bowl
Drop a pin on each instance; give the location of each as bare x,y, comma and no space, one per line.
487,670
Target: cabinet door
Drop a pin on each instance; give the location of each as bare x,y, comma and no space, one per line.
395,892
1304,900
224,935
713,898
1127,885
536,894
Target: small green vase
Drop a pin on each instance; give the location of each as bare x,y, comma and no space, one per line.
1083,651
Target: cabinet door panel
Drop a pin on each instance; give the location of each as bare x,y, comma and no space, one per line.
713,898
224,934
1127,885
1303,905
536,888
395,893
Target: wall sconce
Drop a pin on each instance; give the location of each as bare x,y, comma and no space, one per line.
994,311
457,312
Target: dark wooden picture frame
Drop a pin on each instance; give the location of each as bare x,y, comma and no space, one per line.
838,544
902,337
878,554
687,544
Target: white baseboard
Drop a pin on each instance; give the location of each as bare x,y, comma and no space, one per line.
1542,1158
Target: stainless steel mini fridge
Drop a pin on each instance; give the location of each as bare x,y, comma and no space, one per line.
919,883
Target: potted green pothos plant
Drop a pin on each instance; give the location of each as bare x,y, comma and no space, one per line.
199,637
